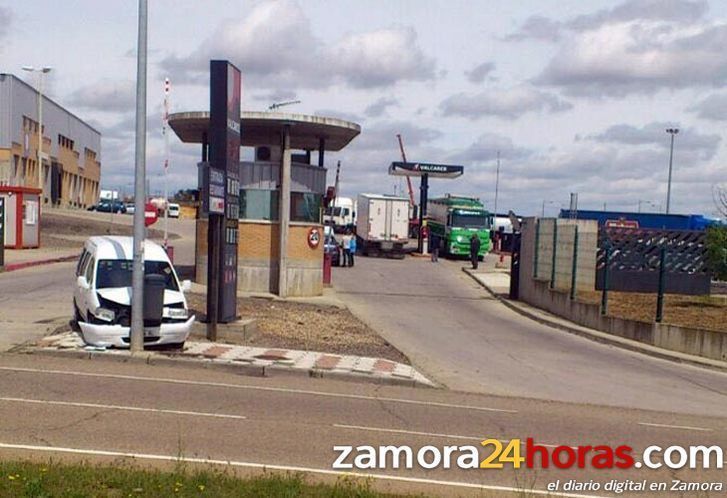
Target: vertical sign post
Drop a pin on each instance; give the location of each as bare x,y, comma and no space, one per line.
224,179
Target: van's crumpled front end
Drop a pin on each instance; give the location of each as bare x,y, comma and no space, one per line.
109,324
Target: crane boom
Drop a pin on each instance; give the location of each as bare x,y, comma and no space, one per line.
412,202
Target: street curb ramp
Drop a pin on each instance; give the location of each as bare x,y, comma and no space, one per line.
542,317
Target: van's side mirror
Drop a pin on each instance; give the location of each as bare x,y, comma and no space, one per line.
186,285
82,282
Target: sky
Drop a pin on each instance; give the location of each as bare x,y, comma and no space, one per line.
575,95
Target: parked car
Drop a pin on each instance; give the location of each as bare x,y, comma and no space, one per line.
173,210
102,296
331,246
109,206
130,208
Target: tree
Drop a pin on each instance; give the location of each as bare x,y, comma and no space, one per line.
717,251
719,193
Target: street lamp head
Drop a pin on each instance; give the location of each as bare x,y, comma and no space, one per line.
673,131
46,69
28,68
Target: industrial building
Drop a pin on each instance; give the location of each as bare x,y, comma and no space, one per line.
71,149
281,195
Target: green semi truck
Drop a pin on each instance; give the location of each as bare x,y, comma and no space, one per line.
454,219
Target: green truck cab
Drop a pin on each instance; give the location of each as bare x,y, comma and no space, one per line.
454,219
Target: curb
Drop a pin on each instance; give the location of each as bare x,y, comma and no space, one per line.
605,338
237,368
29,264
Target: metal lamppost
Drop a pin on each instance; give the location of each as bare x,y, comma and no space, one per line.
672,132
41,71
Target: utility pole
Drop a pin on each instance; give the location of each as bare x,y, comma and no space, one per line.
165,132
41,71
672,132
497,181
137,278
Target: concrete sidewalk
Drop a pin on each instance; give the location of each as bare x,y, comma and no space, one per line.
17,259
250,360
497,283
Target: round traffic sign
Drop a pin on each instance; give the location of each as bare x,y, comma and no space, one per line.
314,237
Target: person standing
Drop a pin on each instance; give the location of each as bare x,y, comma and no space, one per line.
351,249
434,246
474,250
346,248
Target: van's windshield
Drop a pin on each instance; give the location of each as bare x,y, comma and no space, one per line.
117,273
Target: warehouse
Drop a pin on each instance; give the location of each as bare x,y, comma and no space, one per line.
71,150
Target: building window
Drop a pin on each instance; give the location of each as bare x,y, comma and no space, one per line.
65,142
257,204
305,206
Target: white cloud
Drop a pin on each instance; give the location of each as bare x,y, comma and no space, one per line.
479,73
504,103
713,107
6,16
274,45
106,95
378,108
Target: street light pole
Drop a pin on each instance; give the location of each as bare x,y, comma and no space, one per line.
672,132
137,277
497,181
41,71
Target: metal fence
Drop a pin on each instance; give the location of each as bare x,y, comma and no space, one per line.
630,259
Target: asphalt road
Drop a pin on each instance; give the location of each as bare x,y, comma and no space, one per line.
66,408
456,333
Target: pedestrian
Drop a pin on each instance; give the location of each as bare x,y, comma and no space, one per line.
346,248
434,246
351,249
474,250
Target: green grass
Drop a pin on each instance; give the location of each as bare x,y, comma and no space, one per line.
54,479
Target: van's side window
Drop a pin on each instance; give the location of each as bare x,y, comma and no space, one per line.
81,263
90,268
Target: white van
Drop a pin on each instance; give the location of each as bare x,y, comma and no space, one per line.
173,210
102,296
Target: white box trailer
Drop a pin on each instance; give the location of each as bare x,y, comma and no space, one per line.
382,224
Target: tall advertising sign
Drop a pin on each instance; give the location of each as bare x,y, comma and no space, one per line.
224,160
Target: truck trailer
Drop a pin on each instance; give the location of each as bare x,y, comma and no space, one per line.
382,225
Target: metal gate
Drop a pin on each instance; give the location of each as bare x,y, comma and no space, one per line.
633,259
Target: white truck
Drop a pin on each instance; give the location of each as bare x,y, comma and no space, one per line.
382,225
341,215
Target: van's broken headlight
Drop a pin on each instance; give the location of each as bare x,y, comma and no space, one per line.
104,314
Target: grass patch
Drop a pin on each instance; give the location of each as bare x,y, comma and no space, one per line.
54,479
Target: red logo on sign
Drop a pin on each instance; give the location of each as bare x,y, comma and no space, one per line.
314,237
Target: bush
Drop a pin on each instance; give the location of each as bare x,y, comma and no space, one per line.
717,251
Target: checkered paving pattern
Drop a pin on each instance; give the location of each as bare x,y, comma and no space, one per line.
266,357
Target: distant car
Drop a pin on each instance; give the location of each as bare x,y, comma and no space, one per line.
332,247
173,210
102,295
130,208
109,206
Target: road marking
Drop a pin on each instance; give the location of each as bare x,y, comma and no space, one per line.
283,468
684,427
430,434
121,407
257,388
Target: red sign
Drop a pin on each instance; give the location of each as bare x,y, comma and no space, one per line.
314,238
622,223
150,214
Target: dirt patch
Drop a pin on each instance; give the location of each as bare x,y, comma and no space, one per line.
703,312
308,327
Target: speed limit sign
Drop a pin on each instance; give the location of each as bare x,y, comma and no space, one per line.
314,237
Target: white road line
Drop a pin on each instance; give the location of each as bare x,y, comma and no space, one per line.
257,388
121,407
283,468
684,427
429,434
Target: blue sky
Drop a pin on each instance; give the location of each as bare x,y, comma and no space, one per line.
575,94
